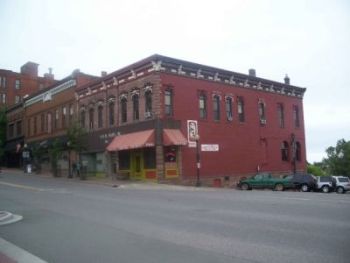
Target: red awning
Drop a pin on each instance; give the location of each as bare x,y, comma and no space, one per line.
173,137
133,140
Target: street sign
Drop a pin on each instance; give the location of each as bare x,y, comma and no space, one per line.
210,147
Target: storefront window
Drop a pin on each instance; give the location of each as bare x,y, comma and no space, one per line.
124,160
170,154
149,156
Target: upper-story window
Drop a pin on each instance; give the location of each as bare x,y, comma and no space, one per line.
42,122
3,82
19,128
91,118
11,130
82,118
64,116
148,101
71,113
49,122
216,107
168,102
35,125
17,99
3,98
111,113
262,114
17,84
285,151
100,116
57,115
228,106
202,106
240,109
296,119
280,112
135,107
28,127
124,110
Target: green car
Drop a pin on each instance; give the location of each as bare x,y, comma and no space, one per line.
264,180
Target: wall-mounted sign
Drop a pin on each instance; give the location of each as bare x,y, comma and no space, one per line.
210,147
47,96
192,133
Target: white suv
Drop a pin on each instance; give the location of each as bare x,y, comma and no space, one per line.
342,184
325,183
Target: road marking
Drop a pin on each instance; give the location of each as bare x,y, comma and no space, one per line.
23,186
297,198
17,254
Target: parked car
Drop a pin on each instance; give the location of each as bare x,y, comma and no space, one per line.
264,180
325,184
303,181
342,184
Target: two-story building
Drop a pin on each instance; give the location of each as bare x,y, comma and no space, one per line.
168,119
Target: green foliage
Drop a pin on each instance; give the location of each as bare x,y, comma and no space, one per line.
55,152
3,123
338,158
76,137
315,170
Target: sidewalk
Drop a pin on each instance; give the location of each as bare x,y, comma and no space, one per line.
122,184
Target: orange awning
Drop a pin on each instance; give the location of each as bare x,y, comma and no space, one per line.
133,140
173,137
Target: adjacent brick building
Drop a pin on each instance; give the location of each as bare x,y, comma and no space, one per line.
14,86
147,119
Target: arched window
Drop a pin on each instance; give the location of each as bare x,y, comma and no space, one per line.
82,118
124,112
284,151
261,109
296,119
135,106
91,118
298,151
228,106
49,122
240,109
202,106
168,102
100,116
280,111
148,101
111,113
216,107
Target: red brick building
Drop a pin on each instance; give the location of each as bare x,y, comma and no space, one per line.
145,120
14,86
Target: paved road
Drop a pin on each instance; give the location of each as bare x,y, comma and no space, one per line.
66,221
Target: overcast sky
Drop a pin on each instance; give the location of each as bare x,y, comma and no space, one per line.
308,40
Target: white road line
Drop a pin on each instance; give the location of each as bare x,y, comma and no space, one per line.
23,186
18,254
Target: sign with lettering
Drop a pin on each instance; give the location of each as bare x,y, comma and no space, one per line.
192,133
210,147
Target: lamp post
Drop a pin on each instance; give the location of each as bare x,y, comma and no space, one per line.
198,161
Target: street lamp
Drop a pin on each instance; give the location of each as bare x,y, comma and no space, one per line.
198,160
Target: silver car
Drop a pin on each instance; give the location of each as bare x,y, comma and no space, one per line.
342,184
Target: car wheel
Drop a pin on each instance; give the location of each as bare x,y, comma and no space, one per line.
279,187
245,186
340,190
325,189
305,188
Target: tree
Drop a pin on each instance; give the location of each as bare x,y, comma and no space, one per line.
55,152
338,158
315,169
76,136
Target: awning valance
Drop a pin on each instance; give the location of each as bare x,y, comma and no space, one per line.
173,137
133,140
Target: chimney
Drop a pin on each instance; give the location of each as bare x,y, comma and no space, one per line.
286,80
49,75
30,68
252,72
103,73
